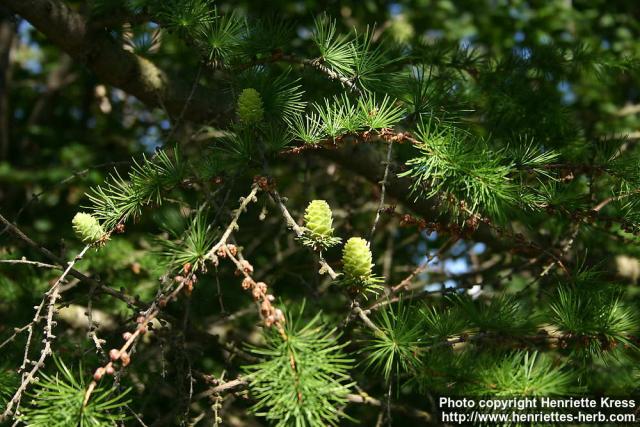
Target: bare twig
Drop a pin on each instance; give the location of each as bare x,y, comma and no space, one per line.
49,301
28,262
131,337
16,332
424,265
368,400
233,225
383,189
223,387
365,319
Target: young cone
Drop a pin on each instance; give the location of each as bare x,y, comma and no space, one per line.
87,227
357,259
318,218
250,109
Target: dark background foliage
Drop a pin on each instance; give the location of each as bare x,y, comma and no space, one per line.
560,75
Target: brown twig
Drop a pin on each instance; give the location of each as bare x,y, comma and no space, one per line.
383,188
130,337
28,262
49,301
368,400
233,225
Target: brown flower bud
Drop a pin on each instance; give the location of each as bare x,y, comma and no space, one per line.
188,287
114,354
246,266
262,287
246,283
186,268
266,308
126,336
233,249
98,374
126,359
109,369
269,320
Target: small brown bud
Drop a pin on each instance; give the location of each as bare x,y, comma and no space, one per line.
188,286
269,320
233,249
114,354
109,369
126,336
262,287
246,266
136,268
98,374
266,308
187,267
126,359
246,283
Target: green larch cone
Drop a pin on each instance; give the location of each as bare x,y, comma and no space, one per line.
87,227
318,218
250,109
356,257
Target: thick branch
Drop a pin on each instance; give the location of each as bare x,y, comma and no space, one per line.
137,76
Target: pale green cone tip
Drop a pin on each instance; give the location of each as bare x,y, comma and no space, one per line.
87,227
318,218
250,109
357,260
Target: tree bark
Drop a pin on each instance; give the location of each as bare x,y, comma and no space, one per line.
138,76
7,35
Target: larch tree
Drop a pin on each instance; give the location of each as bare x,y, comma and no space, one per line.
315,212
